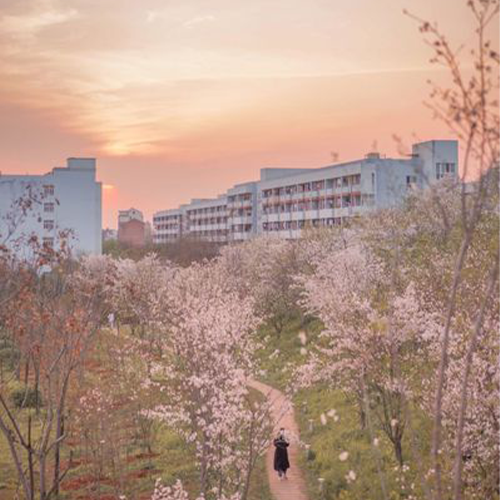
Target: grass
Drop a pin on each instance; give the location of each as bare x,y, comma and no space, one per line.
281,353
327,441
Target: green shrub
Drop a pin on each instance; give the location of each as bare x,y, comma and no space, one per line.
26,397
9,356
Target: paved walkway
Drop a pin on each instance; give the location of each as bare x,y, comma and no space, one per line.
295,487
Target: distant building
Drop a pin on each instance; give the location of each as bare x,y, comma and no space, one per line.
109,234
128,215
148,233
131,227
286,200
65,199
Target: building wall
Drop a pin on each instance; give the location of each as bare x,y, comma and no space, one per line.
132,232
66,198
168,225
435,155
242,211
207,219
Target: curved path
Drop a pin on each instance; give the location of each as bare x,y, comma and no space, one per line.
295,487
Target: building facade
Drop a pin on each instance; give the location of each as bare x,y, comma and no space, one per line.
67,199
285,201
128,215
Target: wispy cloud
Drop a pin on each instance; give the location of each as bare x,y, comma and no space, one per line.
28,25
198,20
152,15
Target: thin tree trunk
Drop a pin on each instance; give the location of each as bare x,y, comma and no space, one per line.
42,487
31,469
203,471
443,362
17,461
398,450
57,452
376,451
458,465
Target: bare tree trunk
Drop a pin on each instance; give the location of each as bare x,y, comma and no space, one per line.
398,450
42,487
27,487
57,452
204,468
31,469
250,463
457,469
443,362
376,451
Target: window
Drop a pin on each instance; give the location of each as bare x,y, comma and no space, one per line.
368,199
48,207
411,180
48,224
443,169
48,242
373,181
48,190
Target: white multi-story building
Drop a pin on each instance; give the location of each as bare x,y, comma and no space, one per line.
286,200
168,225
67,199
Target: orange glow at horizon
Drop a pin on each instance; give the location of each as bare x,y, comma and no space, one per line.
181,100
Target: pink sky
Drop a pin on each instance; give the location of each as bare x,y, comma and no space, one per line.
182,99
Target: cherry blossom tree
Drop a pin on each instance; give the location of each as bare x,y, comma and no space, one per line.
264,268
374,334
137,294
206,359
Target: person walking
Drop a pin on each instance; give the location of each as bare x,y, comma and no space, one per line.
281,463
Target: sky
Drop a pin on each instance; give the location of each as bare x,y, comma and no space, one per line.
181,99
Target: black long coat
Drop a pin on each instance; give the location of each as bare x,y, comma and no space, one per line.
281,462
